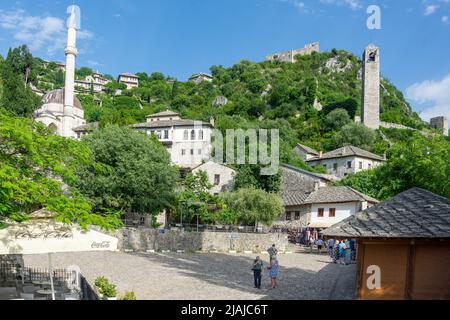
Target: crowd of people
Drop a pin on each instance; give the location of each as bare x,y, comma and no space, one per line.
343,252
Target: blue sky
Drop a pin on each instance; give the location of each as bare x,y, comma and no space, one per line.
181,37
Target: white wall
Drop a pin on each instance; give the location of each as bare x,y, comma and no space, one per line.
343,211
343,169
226,176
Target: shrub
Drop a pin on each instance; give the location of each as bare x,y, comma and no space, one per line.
106,289
129,295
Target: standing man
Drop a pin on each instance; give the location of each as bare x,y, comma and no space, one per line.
257,271
272,251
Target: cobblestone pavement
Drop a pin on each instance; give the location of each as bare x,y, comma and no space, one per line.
303,276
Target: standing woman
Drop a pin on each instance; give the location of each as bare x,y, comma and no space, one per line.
335,252
273,271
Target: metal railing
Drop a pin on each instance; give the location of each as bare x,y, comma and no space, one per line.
218,228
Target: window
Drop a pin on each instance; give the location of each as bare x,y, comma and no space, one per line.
193,135
332,213
320,213
166,134
186,135
216,179
297,215
370,166
349,165
360,165
192,152
183,152
288,216
335,167
200,135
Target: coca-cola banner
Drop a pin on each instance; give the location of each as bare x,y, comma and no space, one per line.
47,235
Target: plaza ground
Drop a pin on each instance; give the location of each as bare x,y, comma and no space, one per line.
303,276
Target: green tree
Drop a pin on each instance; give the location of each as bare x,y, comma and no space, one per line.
196,199
135,175
356,135
37,170
253,206
418,162
337,119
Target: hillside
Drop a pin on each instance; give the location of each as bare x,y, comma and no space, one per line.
266,94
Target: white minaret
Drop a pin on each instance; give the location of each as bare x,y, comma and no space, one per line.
73,24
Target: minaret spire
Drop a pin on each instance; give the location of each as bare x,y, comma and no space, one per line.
73,24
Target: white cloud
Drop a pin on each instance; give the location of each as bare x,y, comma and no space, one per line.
434,93
38,32
430,9
352,4
445,20
302,6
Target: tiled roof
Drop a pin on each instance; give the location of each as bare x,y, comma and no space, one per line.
416,213
170,123
293,198
166,113
338,195
308,149
87,127
346,152
126,74
312,174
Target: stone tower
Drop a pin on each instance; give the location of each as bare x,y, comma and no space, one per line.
440,123
371,87
73,23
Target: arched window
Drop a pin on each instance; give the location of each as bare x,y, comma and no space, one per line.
186,135
53,127
193,135
200,135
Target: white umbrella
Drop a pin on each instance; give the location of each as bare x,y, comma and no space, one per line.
42,234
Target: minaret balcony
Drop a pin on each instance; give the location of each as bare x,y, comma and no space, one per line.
71,50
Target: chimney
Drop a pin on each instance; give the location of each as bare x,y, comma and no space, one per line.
212,121
321,154
316,185
384,157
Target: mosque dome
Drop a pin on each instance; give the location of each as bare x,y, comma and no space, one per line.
57,96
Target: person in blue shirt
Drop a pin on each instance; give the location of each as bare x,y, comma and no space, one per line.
342,248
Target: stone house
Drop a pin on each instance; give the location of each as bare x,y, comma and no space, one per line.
346,160
200,77
311,201
220,176
129,79
187,141
306,153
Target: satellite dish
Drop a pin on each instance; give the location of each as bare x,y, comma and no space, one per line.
74,20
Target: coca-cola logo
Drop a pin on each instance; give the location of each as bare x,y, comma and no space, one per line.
101,245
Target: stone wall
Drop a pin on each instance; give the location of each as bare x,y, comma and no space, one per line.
389,125
145,239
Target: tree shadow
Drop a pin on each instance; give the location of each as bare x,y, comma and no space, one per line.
332,282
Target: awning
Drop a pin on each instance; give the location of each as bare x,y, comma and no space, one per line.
43,234
320,225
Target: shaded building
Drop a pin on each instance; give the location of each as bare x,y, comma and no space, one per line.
407,239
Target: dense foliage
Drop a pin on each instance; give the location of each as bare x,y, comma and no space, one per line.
253,206
133,173
37,170
418,161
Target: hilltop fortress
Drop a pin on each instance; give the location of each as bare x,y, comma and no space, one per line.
289,56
